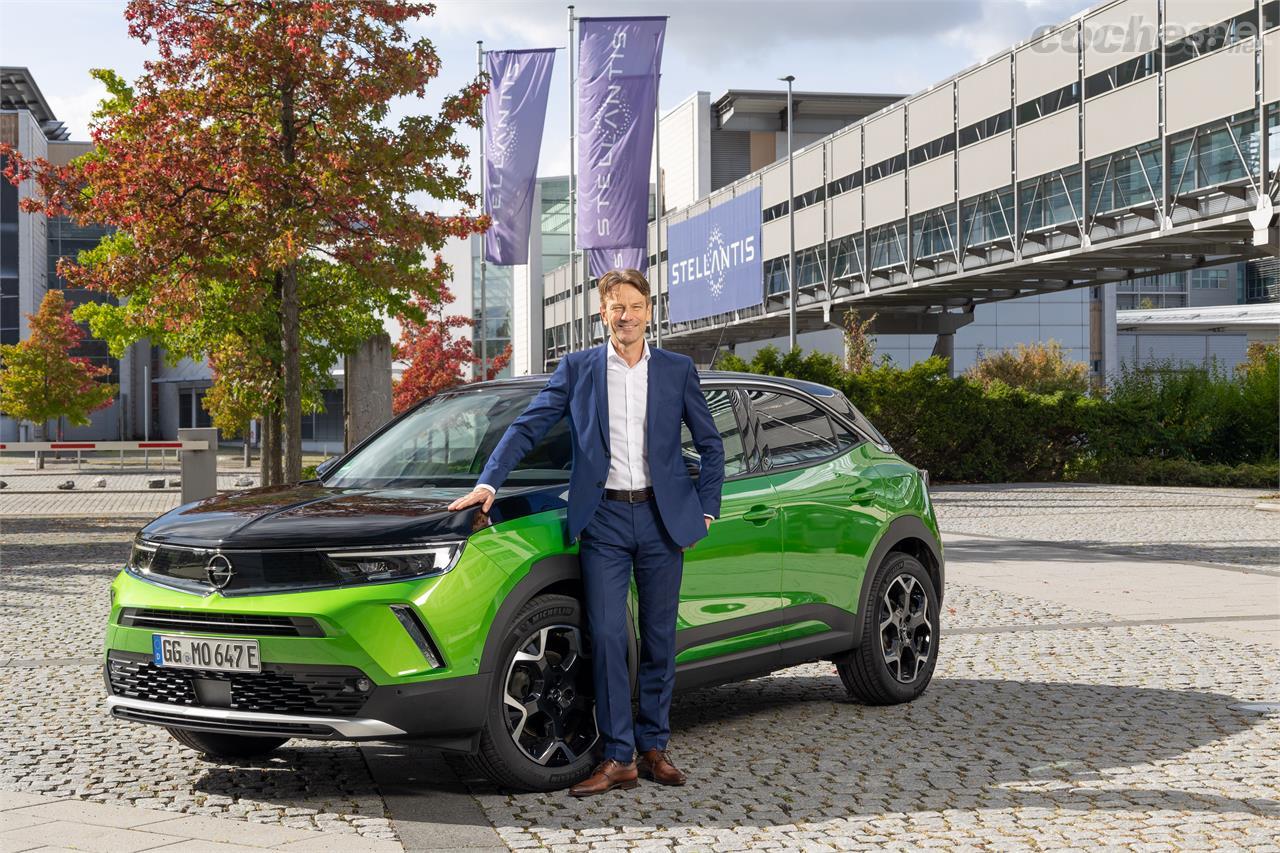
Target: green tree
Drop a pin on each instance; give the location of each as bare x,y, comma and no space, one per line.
41,381
256,145
1040,367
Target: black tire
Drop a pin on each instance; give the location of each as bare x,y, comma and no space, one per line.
554,676
217,745
870,673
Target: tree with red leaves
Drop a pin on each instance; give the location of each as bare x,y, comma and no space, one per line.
41,380
437,359
256,141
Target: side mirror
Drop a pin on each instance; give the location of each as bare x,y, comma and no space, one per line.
326,465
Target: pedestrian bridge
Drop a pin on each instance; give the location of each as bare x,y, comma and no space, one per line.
1142,136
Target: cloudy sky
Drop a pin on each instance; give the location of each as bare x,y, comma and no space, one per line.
885,46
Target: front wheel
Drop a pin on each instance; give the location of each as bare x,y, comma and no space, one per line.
898,649
218,745
540,725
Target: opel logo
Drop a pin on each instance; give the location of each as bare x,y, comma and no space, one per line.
219,571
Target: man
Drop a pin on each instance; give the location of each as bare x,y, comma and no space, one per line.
631,502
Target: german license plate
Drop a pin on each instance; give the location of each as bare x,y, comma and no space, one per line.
206,653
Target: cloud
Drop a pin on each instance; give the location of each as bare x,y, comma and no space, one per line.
75,110
709,32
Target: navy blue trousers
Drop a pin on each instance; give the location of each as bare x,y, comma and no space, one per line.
619,536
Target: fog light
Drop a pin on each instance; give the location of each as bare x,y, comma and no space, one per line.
364,685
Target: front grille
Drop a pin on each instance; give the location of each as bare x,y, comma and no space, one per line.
253,571
329,692
237,624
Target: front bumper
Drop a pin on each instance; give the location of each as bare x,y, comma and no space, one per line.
228,721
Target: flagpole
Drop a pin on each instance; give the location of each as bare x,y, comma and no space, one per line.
659,203
573,200
484,347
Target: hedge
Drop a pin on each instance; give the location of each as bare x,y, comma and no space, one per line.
1160,427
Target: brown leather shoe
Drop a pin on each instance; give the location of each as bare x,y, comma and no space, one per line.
654,764
609,774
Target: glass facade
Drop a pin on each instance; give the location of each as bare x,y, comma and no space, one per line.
9,314
66,239
1153,291
491,309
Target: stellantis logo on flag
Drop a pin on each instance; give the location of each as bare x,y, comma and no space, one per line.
514,110
714,260
619,64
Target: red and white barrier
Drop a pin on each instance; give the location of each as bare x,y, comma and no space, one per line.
104,445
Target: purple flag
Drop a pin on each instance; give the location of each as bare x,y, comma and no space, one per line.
602,260
514,111
619,59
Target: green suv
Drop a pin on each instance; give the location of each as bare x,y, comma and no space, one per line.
357,607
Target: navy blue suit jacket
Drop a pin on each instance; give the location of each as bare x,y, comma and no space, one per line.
579,389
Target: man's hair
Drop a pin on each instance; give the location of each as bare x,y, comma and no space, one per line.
614,279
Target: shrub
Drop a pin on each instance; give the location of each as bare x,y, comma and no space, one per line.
1179,472
1042,368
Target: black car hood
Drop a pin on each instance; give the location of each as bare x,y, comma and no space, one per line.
311,514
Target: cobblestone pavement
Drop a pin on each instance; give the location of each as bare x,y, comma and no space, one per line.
57,740
1199,525
1112,736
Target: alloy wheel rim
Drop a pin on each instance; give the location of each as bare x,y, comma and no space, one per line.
547,697
906,636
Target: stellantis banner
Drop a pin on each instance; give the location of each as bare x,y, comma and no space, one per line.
714,260
514,111
619,60
603,260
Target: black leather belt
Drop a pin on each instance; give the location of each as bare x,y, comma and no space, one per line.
631,496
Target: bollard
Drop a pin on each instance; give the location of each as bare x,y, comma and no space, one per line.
199,467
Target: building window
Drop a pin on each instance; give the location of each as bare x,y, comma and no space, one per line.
891,166
931,232
986,128
885,245
1210,155
846,260
1049,103
1208,279
809,267
1212,38
778,210
1052,199
1122,74
849,182
775,276
1124,180
934,148
811,197
988,217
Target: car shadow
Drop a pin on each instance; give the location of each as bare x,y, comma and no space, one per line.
993,743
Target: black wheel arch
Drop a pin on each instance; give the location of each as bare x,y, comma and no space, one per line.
558,574
909,535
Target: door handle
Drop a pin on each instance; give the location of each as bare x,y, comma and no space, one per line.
760,514
862,495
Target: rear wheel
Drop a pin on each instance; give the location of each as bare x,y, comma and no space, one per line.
898,649
216,745
540,726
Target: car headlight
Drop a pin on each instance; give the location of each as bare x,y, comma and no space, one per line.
376,564
141,556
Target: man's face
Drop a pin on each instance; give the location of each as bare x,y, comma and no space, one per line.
626,313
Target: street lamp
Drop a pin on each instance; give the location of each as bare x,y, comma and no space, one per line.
791,219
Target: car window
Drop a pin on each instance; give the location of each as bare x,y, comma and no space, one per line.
720,402
791,430
448,439
841,404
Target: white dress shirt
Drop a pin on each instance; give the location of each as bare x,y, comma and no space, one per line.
628,405
628,390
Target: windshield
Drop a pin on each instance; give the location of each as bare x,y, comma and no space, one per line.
447,441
